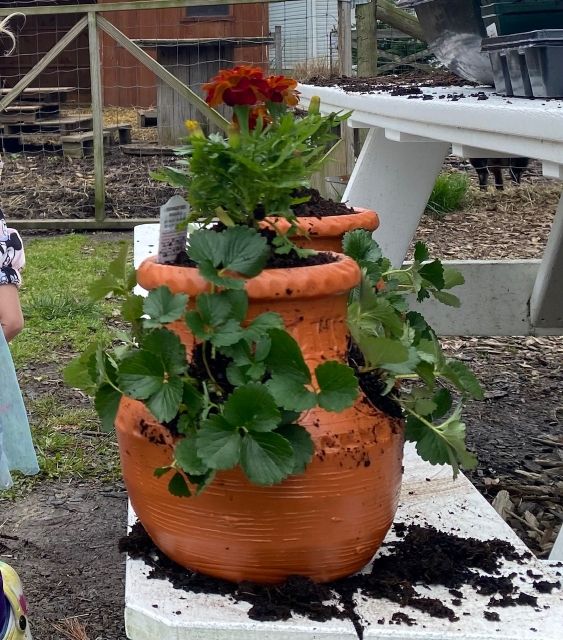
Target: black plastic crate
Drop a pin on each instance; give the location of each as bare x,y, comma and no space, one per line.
506,17
528,64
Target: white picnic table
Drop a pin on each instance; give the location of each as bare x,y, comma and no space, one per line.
154,609
403,154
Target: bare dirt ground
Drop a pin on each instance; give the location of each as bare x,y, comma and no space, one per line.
62,537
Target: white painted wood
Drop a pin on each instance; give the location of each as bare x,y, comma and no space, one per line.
494,300
552,170
428,496
546,304
495,127
556,554
531,128
400,136
466,151
395,179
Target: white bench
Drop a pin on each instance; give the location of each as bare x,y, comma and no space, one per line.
429,495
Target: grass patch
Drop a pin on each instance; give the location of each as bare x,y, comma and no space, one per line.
449,194
60,321
59,315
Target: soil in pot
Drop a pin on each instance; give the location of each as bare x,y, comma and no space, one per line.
323,223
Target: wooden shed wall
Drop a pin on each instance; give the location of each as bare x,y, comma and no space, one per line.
127,83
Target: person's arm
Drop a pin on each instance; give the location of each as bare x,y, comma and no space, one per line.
11,316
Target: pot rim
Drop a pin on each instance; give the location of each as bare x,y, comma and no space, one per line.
332,226
334,278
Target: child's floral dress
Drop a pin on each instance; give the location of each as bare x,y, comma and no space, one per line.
16,447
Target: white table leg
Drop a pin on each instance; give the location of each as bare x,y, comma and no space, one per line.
395,179
546,303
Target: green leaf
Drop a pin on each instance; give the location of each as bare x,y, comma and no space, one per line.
169,348
290,393
447,298
379,351
218,443
165,402
266,458
262,324
237,249
302,444
433,272
187,457
421,252
162,306
132,308
443,400
214,308
237,375
196,325
360,246
119,266
106,402
192,400
441,444
104,287
178,486
228,334
285,357
239,303
252,407
338,386
77,373
417,322
463,378
141,375
161,471
452,278
211,274
204,247
244,251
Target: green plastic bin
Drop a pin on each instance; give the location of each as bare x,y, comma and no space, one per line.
505,17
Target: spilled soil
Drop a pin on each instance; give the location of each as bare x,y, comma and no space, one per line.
399,574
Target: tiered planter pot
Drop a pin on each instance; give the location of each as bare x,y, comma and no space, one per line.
325,233
324,524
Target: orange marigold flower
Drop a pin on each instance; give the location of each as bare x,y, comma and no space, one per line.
256,112
282,89
241,85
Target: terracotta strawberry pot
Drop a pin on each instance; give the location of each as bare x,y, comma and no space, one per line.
324,524
326,233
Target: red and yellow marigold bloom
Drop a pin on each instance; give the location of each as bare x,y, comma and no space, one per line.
243,85
282,89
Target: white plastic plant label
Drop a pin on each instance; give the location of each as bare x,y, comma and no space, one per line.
492,30
173,229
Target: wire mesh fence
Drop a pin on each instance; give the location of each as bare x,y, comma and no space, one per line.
47,132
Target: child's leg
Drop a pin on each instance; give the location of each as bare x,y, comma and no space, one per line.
11,317
13,606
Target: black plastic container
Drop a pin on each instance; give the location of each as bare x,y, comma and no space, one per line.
528,64
505,17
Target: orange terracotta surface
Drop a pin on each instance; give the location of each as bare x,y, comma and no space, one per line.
325,233
326,523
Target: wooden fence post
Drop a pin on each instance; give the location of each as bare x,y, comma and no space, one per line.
366,42
345,69
278,64
97,117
